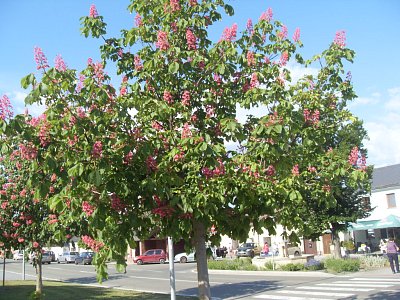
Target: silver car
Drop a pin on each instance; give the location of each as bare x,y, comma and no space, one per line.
67,257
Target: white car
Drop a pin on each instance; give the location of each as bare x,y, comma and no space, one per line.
67,257
184,257
18,255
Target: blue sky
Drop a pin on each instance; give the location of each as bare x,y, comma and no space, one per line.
371,28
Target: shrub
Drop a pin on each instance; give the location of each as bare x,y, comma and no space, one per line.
372,262
236,264
314,265
269,266
292,267
339,265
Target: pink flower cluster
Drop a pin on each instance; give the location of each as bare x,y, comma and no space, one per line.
295,170
270,171
128,158
59,64
218,170
163,210
156,125
151,164
44,136
97,149
186,132
192,2
80,84
353,156
326,188
5,108
254,81
191,40
52,219
229,34
340,39
283,33
87,208
312,118
210,111
138,20
138,63
284,58
296,35
249,27
175,6
28,152
93,11
40,58
35,244
92,243
117,204
186,98
312,169
162,40
250,58
267,15
167,96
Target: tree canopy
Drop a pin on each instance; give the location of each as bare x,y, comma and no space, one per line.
148,151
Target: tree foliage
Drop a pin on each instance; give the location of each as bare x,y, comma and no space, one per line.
151,155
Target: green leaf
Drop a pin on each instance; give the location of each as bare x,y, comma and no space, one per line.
229,10
174,67
95,178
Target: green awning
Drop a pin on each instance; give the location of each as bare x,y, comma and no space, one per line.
388,222
363,225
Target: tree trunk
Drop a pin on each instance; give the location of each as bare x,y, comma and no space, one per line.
199,232
336,243
39,281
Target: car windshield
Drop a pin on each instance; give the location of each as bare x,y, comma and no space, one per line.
73,253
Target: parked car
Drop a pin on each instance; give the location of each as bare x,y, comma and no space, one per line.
247,250
151,256
293,250
185,257
84,258
18,255
67,257
52,255
46,258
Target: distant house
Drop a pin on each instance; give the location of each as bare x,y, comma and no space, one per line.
384,220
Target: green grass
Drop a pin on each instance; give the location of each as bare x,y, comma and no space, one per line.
22,290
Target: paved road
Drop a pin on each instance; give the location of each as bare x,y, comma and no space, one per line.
379,284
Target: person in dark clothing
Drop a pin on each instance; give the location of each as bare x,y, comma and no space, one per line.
392,255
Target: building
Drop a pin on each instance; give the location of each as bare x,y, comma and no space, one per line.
384,220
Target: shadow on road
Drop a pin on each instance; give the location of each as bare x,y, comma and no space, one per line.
236,290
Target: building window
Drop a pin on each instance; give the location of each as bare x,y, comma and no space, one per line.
391,200
366,204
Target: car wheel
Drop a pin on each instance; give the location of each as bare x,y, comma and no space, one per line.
139,262
76,262
297,253
49,262
183,260
162,261
58,261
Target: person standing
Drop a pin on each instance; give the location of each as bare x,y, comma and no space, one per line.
392,255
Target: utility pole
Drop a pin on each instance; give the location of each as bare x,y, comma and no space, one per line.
171,268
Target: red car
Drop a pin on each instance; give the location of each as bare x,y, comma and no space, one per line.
151,256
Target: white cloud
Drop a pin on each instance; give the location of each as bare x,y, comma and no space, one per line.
394,99
18,102
384,144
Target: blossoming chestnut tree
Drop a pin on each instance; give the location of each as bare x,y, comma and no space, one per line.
26,220
148,152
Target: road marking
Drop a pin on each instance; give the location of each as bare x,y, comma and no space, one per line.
371,282
375,279
29,275
325,288
88,272
53,268
355,285
317,293
278,297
